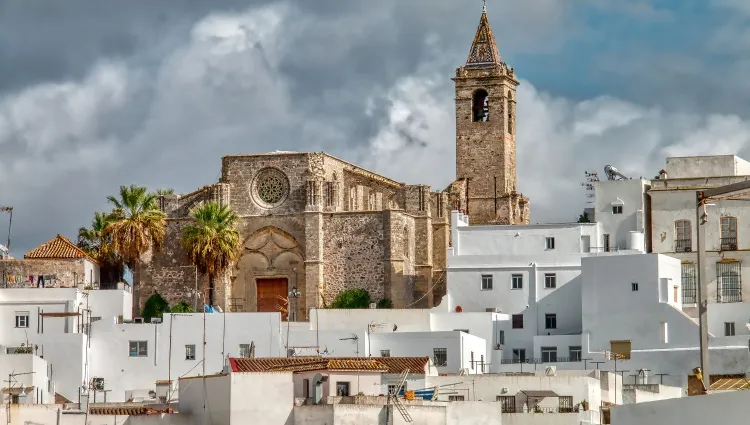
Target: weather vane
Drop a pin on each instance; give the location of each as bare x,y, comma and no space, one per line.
484,5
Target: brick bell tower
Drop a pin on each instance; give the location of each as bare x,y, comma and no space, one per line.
485,186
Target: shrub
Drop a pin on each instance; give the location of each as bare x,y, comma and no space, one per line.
181,307
155,306
352,298
385,303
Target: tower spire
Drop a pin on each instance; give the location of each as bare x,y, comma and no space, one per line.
484,49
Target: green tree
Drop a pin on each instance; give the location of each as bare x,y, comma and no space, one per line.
181,307
155,306
352,298
135,225
385,303
99,247
164,192
584,218
212,241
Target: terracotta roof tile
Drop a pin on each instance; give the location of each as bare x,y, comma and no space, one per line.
58,248
126,409
400,364
304,364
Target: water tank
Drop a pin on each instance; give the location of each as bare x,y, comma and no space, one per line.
636,241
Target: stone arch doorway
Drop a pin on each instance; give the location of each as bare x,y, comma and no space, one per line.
271,264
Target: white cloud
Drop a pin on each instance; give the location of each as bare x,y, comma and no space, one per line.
558,140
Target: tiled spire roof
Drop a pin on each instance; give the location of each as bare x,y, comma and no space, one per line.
484,49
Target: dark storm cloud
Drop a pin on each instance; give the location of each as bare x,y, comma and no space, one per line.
98,94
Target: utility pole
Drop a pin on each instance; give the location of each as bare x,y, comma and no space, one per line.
9,210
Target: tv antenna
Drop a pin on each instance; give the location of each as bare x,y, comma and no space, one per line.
9,210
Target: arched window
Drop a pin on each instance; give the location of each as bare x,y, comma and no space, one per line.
511,113
481,106
683,236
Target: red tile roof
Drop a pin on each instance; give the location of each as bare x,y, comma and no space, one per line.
58,248
305,364
126,409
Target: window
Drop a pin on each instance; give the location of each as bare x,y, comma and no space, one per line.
683,236
664,332
606,243
245,351
518,321
519,355
634,286
392,388
501,337
138,348
480,106
330,194
550,281
306,388
728,234
486,282
729,281
616,209
575,353
441,356
516,281
22,319
342,389
728,328
565,404
455,398
385,353
508,403
550,243
550,321
689,290
190,352
549,354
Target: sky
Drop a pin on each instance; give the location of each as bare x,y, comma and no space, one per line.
95,94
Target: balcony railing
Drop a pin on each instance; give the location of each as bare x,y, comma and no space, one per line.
540,361
683,245
537,409
729,244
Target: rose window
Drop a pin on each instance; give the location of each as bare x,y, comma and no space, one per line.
271,187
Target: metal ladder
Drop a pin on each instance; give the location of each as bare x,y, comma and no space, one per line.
400,407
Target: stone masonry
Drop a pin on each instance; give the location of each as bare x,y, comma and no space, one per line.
323,225
485,186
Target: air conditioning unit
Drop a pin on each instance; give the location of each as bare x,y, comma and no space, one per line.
373,305
138,320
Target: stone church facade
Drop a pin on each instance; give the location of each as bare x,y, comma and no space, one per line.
320,224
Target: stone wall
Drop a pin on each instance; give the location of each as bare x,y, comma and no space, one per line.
354,258
68,273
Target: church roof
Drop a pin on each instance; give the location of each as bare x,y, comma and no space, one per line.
484,49
58,248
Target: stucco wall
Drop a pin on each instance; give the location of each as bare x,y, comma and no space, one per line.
726,408
262,395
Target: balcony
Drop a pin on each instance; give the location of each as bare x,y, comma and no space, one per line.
683,245
729,244
540,361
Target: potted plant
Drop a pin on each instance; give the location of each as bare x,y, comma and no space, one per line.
585,405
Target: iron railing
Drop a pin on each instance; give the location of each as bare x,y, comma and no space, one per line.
728,282
729,244
683,245
537,409
540,361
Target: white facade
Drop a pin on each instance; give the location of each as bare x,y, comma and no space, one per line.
621,210
721,408
673,205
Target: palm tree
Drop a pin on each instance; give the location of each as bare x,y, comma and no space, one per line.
99,247
135,225
212,241
164,192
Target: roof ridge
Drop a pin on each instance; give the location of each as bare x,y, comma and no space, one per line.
40,252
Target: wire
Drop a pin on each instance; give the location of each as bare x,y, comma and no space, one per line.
438,280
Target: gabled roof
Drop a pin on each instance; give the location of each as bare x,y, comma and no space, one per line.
59,248
484,49
307,364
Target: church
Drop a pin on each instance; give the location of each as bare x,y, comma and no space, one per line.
317,224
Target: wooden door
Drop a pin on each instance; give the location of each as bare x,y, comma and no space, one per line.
268,293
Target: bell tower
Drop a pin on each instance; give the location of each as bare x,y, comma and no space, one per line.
485,186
